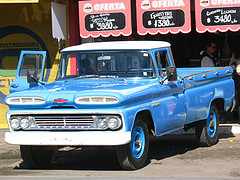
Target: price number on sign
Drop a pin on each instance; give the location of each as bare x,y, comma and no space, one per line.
162,23
223,18
104,26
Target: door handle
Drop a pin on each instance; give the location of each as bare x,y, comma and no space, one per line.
156,104
14,85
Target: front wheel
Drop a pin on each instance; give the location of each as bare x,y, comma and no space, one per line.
207,130
134,154
36,156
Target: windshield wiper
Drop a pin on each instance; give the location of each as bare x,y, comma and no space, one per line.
97,76
89,76
109,76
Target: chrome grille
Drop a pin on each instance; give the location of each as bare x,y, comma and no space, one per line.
63,121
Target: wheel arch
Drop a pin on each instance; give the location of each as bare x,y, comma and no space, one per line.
219,103
147,117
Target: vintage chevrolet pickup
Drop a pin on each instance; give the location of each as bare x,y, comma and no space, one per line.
113,94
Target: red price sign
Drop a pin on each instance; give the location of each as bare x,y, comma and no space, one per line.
105,18
163,16
217,15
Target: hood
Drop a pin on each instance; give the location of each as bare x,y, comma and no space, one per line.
67,91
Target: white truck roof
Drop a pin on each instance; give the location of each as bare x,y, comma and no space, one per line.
118,45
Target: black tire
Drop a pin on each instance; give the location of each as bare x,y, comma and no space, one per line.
36,157
134,154
207,130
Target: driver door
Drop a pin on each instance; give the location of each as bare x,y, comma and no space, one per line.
171,95
28,60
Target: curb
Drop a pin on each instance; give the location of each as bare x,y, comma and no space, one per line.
223,129
229,129
2,132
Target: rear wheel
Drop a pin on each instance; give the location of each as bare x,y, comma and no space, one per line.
36,156
134,154
207,130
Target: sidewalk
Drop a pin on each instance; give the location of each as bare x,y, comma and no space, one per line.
2,132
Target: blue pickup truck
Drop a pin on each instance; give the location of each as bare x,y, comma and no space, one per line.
113,94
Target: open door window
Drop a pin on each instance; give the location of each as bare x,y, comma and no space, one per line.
30,70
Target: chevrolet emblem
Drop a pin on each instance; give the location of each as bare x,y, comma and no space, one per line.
60,100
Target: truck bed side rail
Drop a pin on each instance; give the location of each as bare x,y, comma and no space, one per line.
203,72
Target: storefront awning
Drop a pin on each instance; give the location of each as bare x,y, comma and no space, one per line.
19,1
163,16
105,18
217,15
59,26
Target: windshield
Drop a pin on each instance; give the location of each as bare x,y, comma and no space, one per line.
106,64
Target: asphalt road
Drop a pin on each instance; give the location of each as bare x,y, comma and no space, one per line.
170,157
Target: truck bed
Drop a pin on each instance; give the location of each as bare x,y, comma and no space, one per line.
204,84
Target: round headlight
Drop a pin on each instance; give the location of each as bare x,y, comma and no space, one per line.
24,123
15,123
102,123
114,123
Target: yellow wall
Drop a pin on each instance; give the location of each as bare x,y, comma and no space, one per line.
24,27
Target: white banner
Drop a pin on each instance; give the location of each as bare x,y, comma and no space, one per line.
59,25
